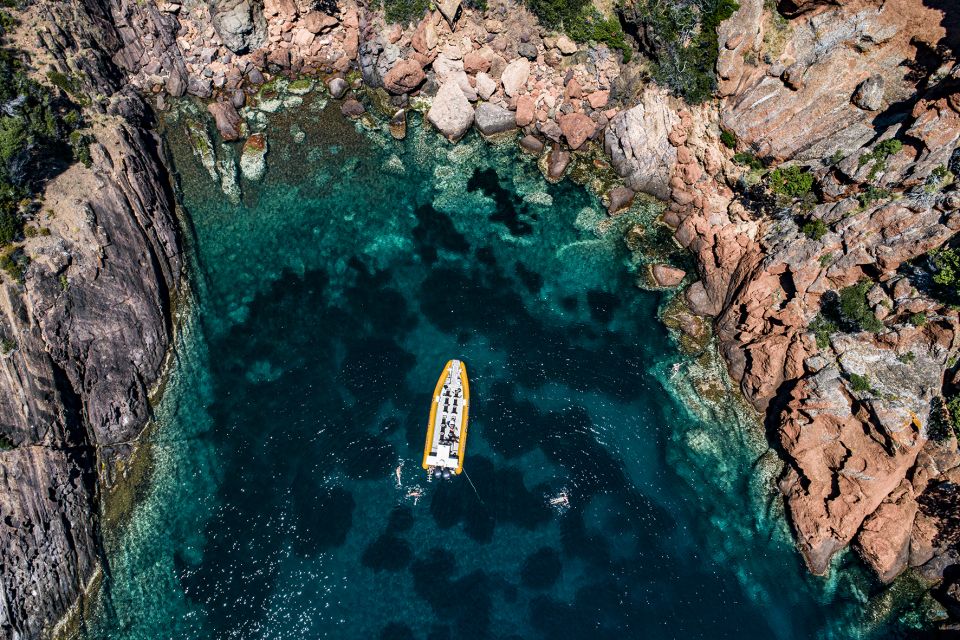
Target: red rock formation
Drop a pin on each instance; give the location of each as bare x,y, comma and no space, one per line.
404,77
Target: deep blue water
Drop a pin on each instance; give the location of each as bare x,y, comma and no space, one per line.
324,308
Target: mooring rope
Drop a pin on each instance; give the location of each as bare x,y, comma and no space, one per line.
473,487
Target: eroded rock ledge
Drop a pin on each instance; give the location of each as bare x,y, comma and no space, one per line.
824,87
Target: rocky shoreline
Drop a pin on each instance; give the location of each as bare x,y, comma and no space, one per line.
823,85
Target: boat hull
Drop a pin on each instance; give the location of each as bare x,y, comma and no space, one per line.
446,439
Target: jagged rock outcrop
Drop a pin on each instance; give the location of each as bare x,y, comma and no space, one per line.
91,322
855,458
638,143
92,326
798,105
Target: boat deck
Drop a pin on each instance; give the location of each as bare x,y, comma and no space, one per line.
446,434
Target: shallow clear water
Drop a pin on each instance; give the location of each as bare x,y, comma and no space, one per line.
324,309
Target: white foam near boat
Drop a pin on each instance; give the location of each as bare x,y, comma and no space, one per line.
446,442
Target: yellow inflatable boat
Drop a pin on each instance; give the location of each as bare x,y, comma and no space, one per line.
447,430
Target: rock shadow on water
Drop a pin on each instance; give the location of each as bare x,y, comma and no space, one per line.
603,305
541,569
324,518
375,368
530,279
512,426
236,577
508,208
464,602
401,519
435,231
387,553
369,457
501,497
397,631
571,443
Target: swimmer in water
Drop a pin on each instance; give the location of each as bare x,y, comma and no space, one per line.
397,473
416,494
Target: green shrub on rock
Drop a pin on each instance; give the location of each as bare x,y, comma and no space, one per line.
15,263
580,20
815,229
946,261
35,125
681,37
872,194
792,181
953,407
822,329
855,310
558,14
747,159
728,138
879,156
859,383
404,11
592,26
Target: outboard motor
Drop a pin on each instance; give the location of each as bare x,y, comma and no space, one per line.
437,473
446,474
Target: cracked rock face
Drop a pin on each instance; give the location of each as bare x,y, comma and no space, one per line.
799,105
92,327
639,147
91,322
849,449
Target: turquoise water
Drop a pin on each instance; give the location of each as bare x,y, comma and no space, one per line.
324,307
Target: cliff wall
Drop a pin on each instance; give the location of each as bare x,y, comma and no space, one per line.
89,324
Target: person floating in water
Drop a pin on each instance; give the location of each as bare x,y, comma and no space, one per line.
416,493
397,473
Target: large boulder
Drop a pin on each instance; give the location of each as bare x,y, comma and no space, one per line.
450,111
526,110
338,87
425,37
227,119
620,199
486,86
514,76
577,128
638,144
317,22
492,119
404,77
869,95
240,24
253,159
449,10
667,276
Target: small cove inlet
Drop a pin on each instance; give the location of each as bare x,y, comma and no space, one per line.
325,299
